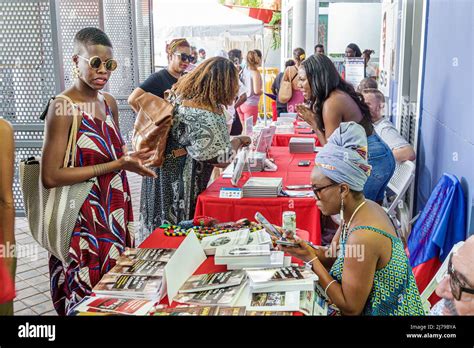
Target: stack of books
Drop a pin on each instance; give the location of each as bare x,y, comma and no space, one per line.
250,256
302,145
240,237
281,279
214,311
138,274
130,286
217,289
262,187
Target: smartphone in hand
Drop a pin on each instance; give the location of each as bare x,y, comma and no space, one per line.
286,243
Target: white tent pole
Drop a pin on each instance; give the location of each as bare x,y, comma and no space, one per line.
264,74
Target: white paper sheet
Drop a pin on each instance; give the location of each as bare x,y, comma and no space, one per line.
184,262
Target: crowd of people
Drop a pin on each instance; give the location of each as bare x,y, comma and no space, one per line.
360,149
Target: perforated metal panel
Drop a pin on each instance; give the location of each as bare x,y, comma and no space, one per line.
144,43
36,47
118,24
408,122
73,16
27,70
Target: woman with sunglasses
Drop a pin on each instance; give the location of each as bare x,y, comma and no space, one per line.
198,142
179,58
332,101
365,270
104,226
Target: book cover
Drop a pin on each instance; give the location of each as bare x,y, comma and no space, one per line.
243,251
125,265
162,255
211,281
211,243
187,310
259,237
217,297
274,301
128,284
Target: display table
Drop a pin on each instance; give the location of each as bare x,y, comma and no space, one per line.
228,209
158,239
284,139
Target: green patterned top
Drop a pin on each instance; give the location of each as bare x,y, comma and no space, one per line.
394,291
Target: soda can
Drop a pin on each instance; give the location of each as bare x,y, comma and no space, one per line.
289,221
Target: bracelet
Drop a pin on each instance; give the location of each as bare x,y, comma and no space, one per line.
309,263
327,287
100,169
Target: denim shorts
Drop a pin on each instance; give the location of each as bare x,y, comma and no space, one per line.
383,165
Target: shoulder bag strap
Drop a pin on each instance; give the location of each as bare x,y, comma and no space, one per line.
71,144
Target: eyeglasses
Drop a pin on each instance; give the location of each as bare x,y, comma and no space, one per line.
184,57
456,288
95,63
316,190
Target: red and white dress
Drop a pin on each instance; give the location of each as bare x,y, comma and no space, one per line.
104,226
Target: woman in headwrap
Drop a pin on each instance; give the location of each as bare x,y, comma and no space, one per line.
370,274
332,101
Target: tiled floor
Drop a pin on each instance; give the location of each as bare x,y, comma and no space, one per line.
32,275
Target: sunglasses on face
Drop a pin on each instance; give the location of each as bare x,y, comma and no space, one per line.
455,283
317,190
95,63
184,57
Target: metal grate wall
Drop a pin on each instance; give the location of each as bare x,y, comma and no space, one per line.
36,41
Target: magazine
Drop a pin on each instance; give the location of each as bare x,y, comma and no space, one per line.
204,282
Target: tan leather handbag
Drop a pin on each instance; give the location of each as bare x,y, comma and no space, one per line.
152,125
286,89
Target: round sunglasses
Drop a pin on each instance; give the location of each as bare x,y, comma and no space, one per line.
95,63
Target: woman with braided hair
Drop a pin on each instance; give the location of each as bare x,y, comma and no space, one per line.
197,142
332,101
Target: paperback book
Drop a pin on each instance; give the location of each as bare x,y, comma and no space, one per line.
217,297
204,282
113,305
161,255
127,266
130,286
211,243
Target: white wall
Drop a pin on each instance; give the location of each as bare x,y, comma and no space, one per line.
357,23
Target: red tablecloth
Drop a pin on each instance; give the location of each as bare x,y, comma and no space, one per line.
284,139
226,209
159,240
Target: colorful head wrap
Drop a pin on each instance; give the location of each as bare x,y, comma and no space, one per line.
344,158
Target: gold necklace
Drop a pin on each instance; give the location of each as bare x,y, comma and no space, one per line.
346,226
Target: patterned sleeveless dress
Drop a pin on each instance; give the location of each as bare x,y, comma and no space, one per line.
394,291
104,226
